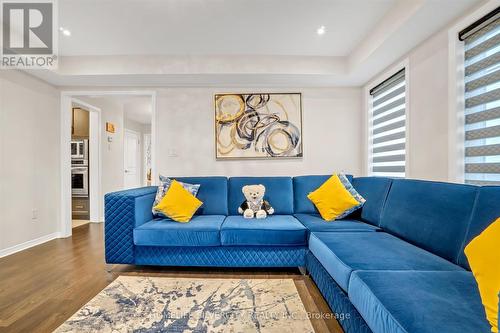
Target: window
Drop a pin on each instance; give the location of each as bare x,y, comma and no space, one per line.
387,127
482,100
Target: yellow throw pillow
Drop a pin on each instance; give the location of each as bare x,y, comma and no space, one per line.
336,198
178,204
483,253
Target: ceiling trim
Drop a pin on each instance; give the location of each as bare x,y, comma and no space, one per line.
390,23
366,60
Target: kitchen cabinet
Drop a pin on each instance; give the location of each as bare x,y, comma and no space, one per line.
80,208
80,123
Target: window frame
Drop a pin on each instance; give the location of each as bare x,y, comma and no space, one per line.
476,166
456,93
368,156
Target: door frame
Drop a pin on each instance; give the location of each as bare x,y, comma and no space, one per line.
66,99
95,165
138,157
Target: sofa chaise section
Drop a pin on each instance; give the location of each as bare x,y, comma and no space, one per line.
418,301
338,300
346,252
425,226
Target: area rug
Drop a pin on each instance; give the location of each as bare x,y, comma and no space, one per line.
157,304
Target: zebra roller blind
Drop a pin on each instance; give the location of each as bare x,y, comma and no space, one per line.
387,127
482,104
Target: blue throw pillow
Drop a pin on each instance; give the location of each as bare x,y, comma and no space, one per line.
163,187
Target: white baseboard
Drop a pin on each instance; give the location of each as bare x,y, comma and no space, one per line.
28,244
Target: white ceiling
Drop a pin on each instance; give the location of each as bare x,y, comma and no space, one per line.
241,43
217,27
135,107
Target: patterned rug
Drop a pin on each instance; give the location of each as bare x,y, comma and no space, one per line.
156,304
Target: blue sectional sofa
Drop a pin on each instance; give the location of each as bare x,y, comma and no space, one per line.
396,265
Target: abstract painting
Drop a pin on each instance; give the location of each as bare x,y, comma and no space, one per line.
258,126
157,304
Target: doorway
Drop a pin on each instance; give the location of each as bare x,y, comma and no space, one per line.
132,159
85,162
118,136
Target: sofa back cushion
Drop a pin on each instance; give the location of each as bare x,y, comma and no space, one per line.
375,191
302,186
213,193
486,210
431,215
279,193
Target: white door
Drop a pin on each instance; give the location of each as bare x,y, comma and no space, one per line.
132,176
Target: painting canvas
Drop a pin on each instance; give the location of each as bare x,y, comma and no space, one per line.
258,126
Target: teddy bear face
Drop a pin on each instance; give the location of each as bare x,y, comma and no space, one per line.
254,192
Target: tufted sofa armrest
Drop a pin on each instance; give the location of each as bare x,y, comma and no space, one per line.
123,211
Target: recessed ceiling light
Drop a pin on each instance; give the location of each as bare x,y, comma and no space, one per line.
321,30
65,32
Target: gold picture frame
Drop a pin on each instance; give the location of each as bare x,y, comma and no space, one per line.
258,126
110,127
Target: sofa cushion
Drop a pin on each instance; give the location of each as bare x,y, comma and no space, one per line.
202,230
336,198
275,230
486,210
302,186
164,186
341,253
431,215
213,193
178,203
279,193
375,191
424,302
315,222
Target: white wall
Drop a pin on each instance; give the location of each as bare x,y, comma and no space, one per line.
111,152
331,132
29,160
428,109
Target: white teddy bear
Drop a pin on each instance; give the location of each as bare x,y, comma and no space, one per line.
255,205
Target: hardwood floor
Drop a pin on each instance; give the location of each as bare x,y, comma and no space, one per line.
43,286
77,223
